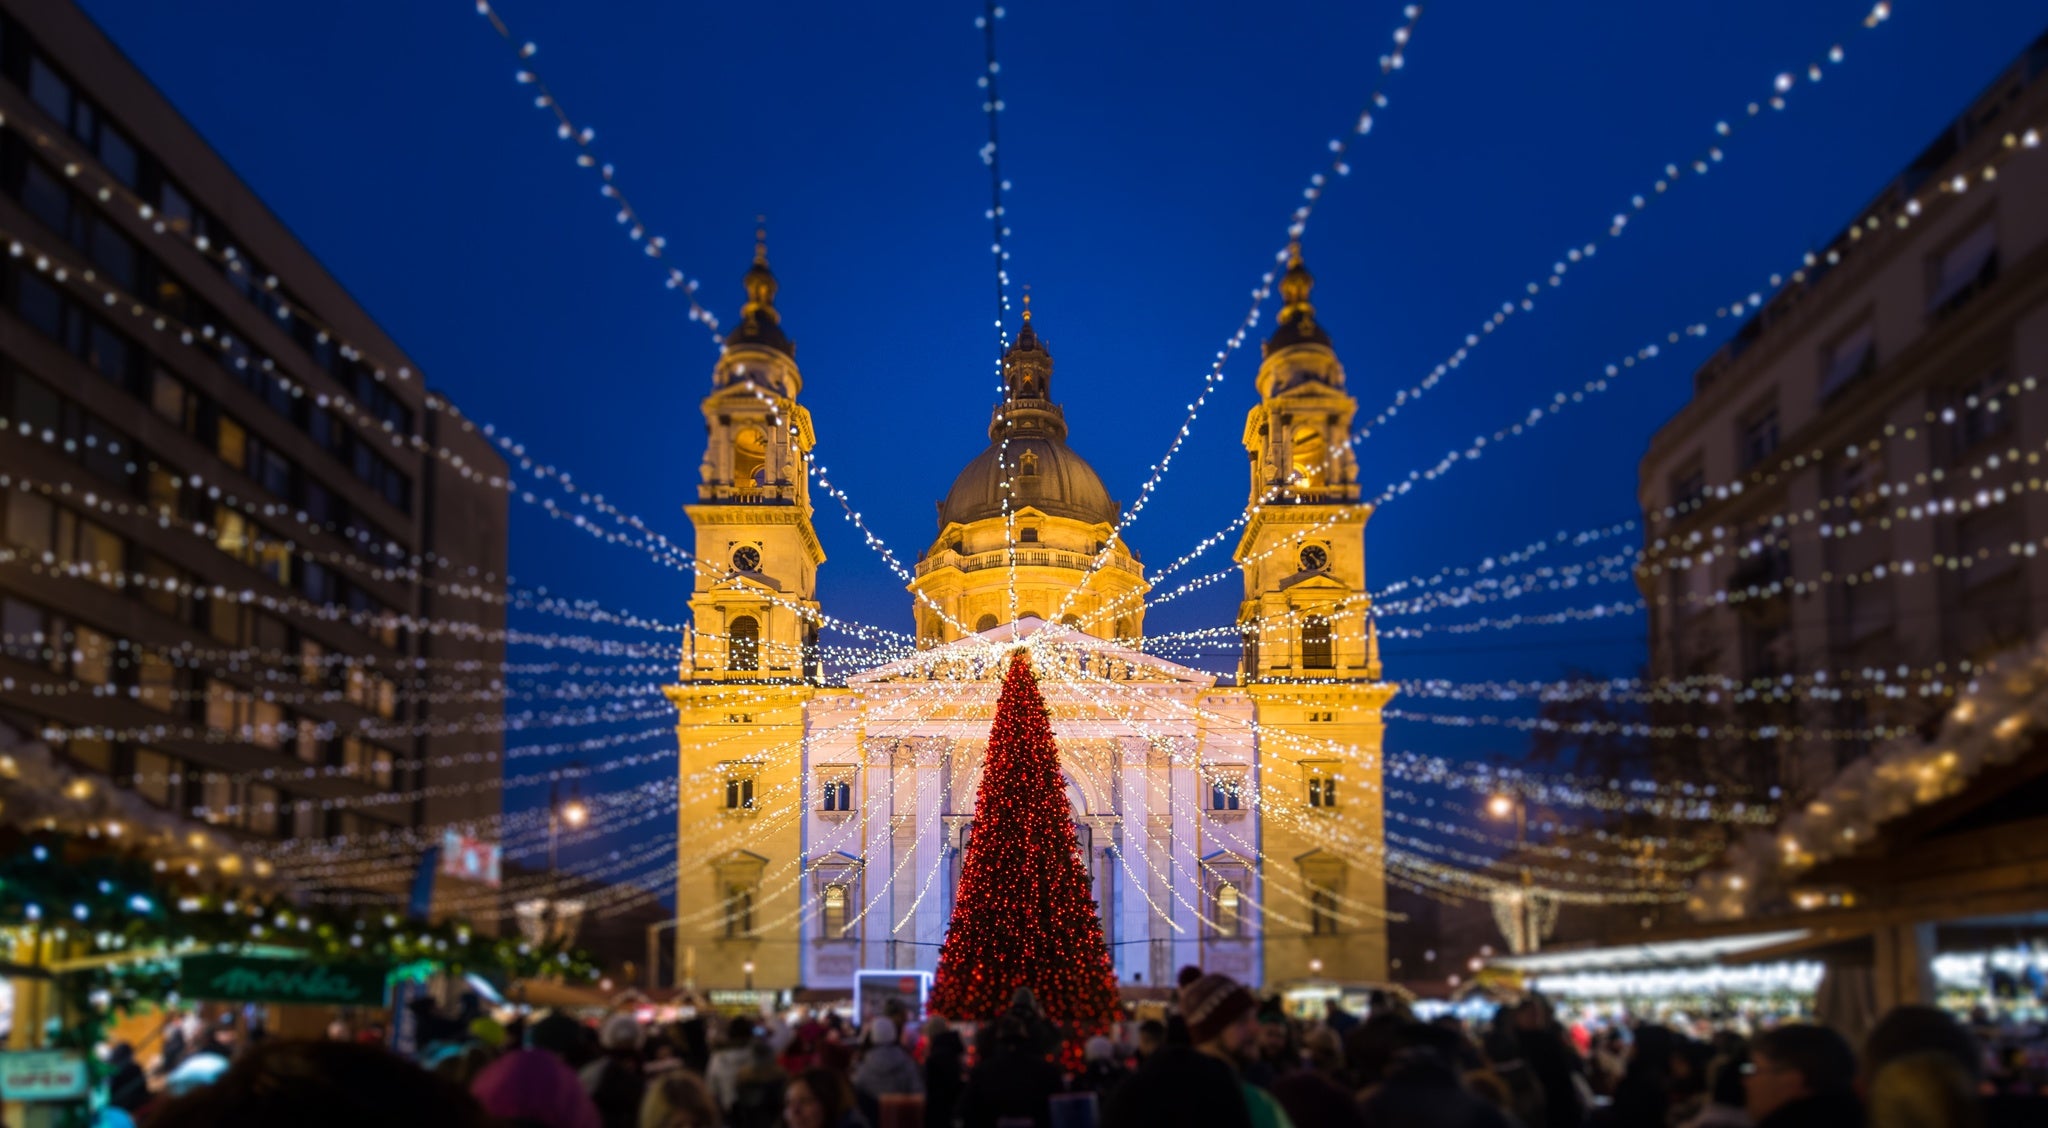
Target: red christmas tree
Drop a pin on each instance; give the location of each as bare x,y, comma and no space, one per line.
1024,917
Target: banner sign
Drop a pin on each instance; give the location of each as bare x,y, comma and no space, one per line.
42,1075
246,979
472,859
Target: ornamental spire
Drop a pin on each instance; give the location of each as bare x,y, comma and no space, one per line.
760,321
1297,323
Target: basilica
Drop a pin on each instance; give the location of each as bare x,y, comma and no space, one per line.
1232,826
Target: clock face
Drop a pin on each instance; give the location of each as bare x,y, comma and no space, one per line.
747,558
1314,558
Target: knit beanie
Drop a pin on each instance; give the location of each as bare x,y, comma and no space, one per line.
1212,1003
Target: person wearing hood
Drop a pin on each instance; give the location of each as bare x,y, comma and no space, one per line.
534,1087
886,1067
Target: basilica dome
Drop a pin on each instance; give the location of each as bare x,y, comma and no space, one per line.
1044,473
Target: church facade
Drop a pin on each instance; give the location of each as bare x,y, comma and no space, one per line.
822,827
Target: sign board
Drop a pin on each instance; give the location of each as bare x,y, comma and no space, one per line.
472,859
873,989
748,1001
42,1075
249,979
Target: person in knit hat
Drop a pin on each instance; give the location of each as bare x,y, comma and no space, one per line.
1223,1023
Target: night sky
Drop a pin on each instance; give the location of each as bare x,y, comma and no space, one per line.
1156,150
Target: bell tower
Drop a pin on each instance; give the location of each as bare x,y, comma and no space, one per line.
750,664
754,604
1311,656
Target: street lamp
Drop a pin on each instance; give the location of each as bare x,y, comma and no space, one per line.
574,813
1500,806
748,967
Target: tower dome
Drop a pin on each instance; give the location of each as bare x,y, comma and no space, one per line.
1028,450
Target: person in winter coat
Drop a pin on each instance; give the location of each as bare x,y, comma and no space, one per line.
723,1073
945,1072
1803,1076
1013,1080
617,1079
886,1067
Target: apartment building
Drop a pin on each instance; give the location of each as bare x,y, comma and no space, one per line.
1851,504
228,535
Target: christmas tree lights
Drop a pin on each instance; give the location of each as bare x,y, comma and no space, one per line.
1024,916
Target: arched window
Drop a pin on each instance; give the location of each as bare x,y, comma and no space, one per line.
1309,454
749,457
1250,637
1315,644
1070,620
985,623
743,644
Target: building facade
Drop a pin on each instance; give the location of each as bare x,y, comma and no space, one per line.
823,826
229,513
1853,490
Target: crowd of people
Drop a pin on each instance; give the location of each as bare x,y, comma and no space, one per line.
1218,1056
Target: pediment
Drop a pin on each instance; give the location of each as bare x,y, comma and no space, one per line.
986,656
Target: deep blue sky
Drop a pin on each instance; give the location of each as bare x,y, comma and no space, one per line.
1156,150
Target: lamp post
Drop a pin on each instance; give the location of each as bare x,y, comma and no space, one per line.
1501,806
748,967
574,813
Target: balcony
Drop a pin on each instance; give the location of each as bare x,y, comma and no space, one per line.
718,494
1023,558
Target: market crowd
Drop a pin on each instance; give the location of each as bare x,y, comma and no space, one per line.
1219,1056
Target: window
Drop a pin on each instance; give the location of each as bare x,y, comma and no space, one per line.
1226,792
1322,910
103,551
1964,270
1229,910
739,909
1315,644
266,724
260,803
834,916
92,656
739,791
231,442
152,778
1027,536
90,752
308,746
838,795
1322,785
1849,358
156,682
1980,412
169,397
28,522
749,457
1759,438
367,762
743,644
50,92
216,797
1309,453
985,623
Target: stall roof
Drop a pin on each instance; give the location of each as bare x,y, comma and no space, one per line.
1669,953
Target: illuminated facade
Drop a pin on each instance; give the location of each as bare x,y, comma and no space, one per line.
822,826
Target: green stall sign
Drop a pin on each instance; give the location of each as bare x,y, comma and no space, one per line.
245,979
